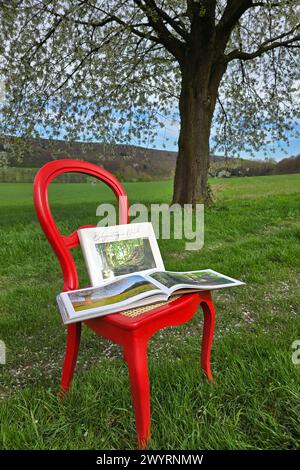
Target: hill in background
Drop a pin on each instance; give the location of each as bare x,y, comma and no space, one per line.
126,162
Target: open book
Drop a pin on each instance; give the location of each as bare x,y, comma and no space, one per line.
126,269
136,290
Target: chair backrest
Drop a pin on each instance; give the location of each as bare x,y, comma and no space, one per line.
62,244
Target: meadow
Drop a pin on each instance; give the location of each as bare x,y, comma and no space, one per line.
252,233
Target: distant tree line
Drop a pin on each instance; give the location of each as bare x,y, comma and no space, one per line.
289,165
224,168
26,175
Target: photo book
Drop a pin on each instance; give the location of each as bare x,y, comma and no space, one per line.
126,271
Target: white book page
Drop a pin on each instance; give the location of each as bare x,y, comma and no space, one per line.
205,279
116,251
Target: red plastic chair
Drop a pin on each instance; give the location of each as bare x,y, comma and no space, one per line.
132,334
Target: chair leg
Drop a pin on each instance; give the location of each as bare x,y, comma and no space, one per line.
73,341
207,337
137,361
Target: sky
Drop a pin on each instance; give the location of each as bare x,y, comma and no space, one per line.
167,139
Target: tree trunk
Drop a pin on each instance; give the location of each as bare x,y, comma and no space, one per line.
196,106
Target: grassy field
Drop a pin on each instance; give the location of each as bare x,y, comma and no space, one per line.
251,233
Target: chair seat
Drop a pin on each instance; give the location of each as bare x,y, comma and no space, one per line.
181,306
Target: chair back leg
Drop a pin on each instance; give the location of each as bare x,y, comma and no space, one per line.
72,347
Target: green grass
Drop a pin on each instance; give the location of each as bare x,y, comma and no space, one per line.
252,233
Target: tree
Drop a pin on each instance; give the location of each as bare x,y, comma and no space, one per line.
115,69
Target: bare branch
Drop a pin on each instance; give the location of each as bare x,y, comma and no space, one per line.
110,17
232,13
266,46
271,5
176,25
172,44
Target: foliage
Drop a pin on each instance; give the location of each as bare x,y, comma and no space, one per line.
259,95
228,167
3,159
111,70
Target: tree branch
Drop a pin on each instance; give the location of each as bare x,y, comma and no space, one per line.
271,5
178,27
266,46
153,13
232,13
111,18
133,28
156,17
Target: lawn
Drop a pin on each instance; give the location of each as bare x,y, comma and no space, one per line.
252,233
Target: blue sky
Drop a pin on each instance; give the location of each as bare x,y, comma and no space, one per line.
167,139
168,136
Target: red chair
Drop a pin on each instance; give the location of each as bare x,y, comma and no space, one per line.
132,334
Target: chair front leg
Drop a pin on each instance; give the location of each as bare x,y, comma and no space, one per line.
137,361
207,336
72,347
